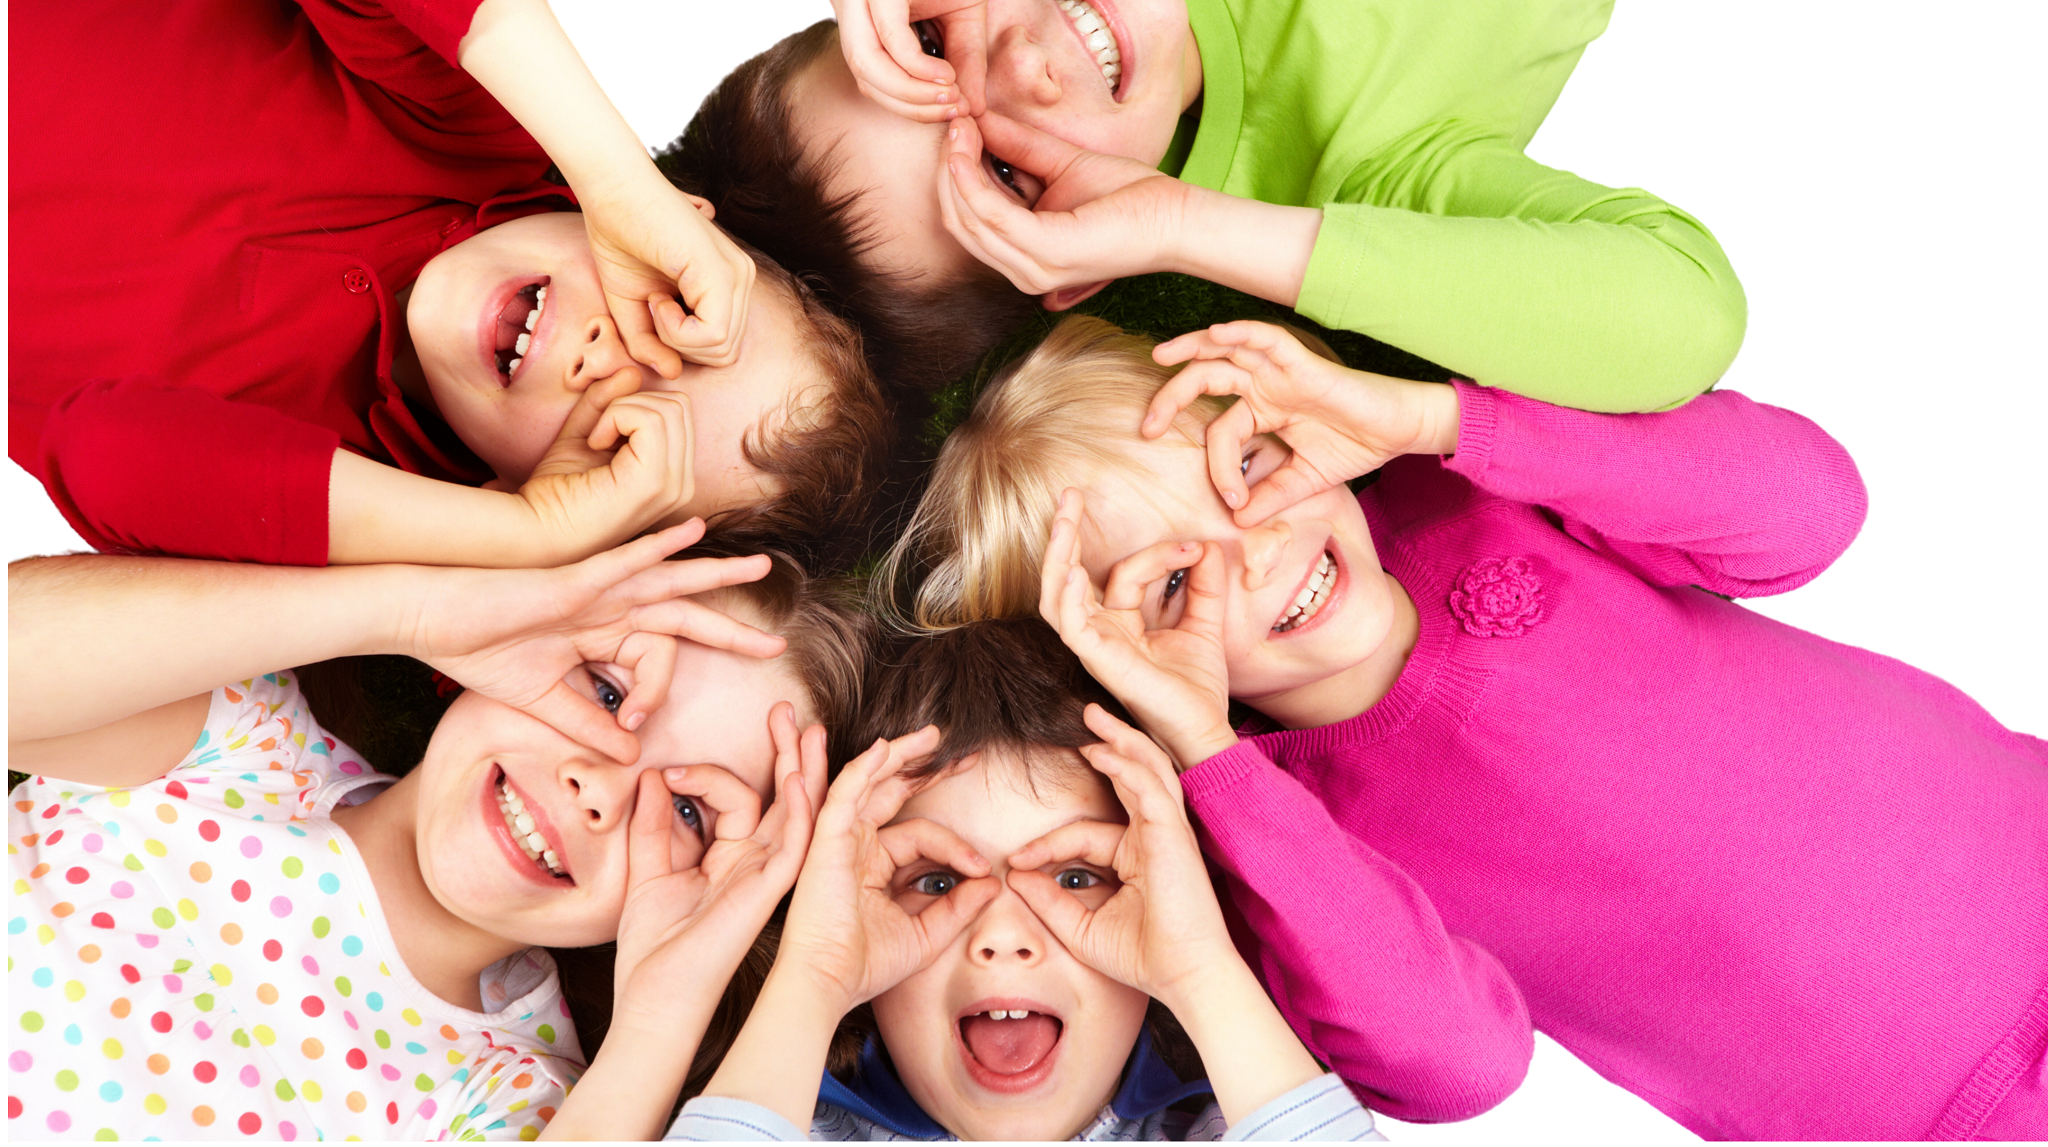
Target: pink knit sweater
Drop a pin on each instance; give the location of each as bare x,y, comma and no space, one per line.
1780,888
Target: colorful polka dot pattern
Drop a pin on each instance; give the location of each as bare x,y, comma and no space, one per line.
195,959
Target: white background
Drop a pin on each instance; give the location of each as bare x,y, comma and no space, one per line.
1873,172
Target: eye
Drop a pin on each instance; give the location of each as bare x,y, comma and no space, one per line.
1245,467
688,812
608,695
1008,176
935,883
1075,879
1174,581
928,38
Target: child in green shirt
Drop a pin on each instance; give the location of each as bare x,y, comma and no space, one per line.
1362,164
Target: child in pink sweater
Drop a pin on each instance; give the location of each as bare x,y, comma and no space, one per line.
1520,762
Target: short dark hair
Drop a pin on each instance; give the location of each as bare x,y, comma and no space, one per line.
835,454
742,152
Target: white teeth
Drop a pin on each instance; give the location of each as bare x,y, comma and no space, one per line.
1313,595
1095,32
532,317
519,347
1000,1014
513,366
523,831
1087,21
540,298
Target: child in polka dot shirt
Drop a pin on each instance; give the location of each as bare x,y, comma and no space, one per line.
262,936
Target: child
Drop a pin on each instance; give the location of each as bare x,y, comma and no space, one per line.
1364,166
1008,909
1780,888
254,357
250,932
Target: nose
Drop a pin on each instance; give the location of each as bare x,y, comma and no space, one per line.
1018,66
600,354
1006,932
600,792
1264,545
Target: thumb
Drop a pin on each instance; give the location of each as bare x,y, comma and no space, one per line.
584,416
1026,148
1058,910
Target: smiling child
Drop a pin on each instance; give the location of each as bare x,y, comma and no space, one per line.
250,335
1779,887
1013,914
1364,166
240,928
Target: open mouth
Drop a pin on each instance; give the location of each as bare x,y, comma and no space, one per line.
1010,1049
1314,594
525,831
1095,32
513,336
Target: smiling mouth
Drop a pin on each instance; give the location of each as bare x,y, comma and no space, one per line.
514,335
525,833
1095,33
1313,596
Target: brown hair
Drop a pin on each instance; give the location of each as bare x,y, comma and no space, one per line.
834,452
1007,689
744,152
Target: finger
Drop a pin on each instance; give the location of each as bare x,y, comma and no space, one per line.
966,33
888,788
793,840
1223,448
862,774
636,325
1145,795
1291,483
652,658
907,86
990,224
1060,545
1089,841
737,805
944,919
1177,395
689,576
1129,742
630,415
917,839
585,722
1060,911
622,565
716,285
816,765
1206,582
583,417
1129,578
647,833
700,624
1024,147
933,76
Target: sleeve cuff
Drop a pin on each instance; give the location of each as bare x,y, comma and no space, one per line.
1223,771
1322,1110
721,1119
1478,422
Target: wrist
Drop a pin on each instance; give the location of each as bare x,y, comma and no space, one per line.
1262,249
1190,751
1440,413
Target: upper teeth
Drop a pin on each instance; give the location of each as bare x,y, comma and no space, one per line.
1095,30
521,823
1312,595
1017,1014
540,302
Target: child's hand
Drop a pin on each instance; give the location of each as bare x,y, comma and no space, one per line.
624,460
1172,679
1099,217
846,935
651,242
890,66
685,930
1339,423
1162,929
513,635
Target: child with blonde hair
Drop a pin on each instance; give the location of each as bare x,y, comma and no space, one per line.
1504,708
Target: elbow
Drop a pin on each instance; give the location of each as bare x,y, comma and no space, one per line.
1703,350
1471,1085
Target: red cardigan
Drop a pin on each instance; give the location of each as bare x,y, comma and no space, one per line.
210,207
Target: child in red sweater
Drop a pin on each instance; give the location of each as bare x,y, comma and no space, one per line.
341,258
1781,888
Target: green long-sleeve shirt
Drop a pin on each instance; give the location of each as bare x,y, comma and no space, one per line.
1405,120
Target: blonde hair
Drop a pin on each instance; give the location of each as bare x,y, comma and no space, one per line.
1067,410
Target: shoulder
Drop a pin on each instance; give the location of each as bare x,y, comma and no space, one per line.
263,756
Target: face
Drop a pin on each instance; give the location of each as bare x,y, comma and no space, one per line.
511,328
1042,72
1304,598
488,765
1042,1075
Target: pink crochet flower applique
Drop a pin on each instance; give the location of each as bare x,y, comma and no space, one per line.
1498,597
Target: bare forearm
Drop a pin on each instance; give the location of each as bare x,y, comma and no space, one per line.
778,1061
1251,1055
96,638
378,513
517,50
631,1085
1259,248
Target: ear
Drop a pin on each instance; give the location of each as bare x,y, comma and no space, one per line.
1067,298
